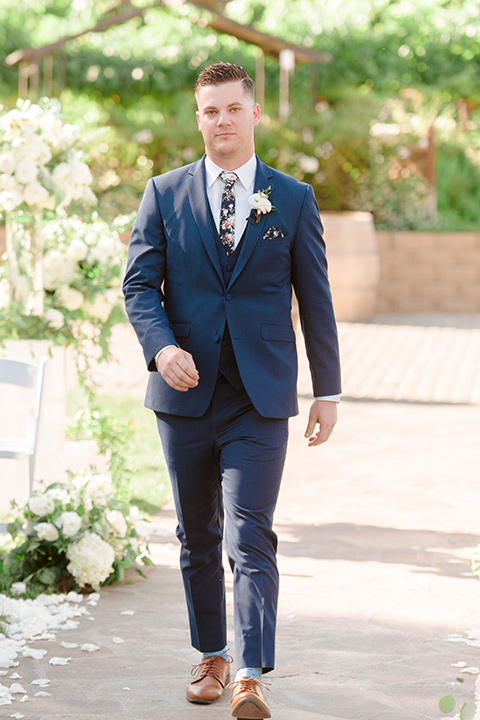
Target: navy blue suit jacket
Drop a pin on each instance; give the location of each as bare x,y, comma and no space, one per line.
175,293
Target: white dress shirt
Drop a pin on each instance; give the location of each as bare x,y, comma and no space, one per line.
244,187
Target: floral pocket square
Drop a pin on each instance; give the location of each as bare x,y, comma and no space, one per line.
273,233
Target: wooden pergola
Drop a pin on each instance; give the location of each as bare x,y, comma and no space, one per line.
37,66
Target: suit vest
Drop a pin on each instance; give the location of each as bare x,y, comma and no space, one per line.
228,365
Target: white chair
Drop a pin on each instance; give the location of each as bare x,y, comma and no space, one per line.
29,376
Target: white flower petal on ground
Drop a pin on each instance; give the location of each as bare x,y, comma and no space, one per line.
41,682
24,698
15,676
127,612
459,664
17,689
471,670
34,653
118,640
94,596
17,716
89,647
69,646
42,693
74,597
126,688
59,660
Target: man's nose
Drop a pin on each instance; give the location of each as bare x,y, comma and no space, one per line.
223,118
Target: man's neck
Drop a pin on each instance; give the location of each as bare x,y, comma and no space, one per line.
229,163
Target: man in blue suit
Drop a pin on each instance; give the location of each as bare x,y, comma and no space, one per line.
215,250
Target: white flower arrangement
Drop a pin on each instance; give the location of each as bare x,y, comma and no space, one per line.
40,164
75,535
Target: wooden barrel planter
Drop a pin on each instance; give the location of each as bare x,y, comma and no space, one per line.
353,263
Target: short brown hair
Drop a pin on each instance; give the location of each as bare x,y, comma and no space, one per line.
223,72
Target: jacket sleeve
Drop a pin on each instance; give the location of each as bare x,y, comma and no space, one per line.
144,278
310,281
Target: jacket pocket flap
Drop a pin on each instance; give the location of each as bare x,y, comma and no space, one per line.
280,333
180,329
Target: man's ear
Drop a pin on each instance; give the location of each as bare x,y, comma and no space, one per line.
256,113
197,115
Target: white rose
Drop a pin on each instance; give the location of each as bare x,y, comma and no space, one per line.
70,298
10,199
46,531
77,250
69,523
26,171
38,150
41,504
58,269
259,202
91,560
118,522
61,173
7,162
36,194
81,174
18,588
99,309
55,318
8,182
143,528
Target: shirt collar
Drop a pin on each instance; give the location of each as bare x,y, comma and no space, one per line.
246,172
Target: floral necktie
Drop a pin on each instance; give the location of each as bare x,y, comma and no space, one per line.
227,211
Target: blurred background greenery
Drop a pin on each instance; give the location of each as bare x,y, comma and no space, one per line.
358,123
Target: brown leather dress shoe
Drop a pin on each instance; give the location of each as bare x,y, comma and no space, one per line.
209,680
248,702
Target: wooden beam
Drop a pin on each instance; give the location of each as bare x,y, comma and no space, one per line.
269,44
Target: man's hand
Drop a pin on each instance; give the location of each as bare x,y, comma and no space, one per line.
177,368
323,413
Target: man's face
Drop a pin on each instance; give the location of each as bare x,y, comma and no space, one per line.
226,118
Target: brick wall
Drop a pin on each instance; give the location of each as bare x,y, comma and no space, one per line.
427,272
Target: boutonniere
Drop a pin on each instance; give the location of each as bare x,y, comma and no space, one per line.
260,204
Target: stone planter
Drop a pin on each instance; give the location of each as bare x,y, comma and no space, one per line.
353,263
49,465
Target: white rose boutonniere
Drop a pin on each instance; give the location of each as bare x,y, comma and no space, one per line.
260,203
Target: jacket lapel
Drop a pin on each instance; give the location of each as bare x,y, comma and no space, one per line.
254,231
197,194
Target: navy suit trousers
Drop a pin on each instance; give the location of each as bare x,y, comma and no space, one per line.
225,468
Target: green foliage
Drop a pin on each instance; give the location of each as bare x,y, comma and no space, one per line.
446,704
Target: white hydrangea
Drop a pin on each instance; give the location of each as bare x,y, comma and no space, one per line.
91,560
69,523
41,504
77,250
7,162
58,269
26,171
46,531
100,308
69,298
55,318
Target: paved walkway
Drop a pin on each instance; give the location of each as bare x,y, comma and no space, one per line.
376,532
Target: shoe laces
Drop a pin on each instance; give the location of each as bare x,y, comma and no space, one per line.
247,685
209,667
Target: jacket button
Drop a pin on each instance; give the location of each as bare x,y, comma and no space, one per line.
228,296
229,268
216,338
224,343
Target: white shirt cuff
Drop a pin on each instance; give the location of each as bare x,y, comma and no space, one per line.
160,352
329,398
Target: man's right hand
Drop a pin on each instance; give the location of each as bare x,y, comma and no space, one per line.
177,368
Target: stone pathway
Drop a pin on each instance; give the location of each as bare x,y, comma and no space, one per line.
376,530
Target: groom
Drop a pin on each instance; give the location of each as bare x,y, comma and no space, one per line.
208,289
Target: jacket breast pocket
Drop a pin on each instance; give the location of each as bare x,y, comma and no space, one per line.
278,333
180,329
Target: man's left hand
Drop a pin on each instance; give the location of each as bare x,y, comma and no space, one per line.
324,414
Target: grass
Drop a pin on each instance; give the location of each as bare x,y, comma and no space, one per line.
145,479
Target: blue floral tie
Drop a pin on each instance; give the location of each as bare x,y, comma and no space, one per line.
227,211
